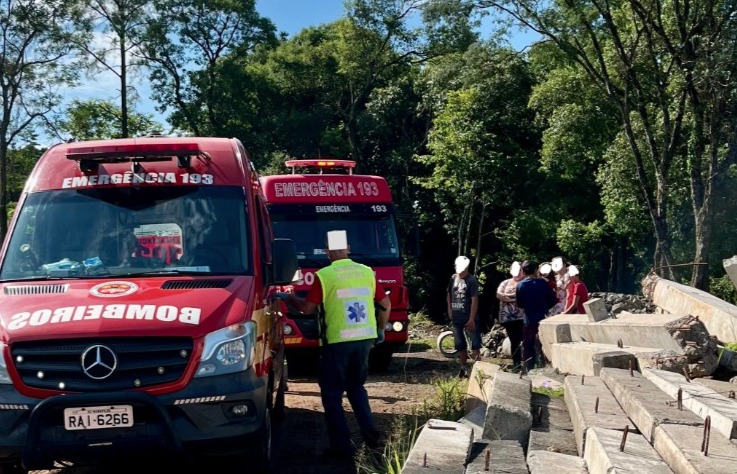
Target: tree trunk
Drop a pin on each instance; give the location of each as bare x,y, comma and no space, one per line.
123,90
3,185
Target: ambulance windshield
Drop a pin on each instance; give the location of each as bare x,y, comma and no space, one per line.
371,234
129,231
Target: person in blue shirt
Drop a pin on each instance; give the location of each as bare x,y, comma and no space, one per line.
535,296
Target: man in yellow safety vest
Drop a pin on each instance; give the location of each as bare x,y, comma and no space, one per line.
350,295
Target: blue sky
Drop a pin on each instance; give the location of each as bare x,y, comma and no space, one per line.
291,16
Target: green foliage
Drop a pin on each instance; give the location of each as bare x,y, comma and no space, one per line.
557,392
723,288
100,119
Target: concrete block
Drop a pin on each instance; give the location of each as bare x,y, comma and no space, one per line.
603,456
544,462
635,330
701,400
588,358
644,403
581,401
508,411
730,265
719,386
442,446
477,393
505,457
552,429
719,317
475,420
596,310
680,448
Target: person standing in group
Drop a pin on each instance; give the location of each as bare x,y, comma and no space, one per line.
349,294
562,280
510,315
535,297
463,301
546,272
578,294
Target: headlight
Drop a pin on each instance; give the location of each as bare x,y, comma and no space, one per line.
4,376
397,326
228,350
288,329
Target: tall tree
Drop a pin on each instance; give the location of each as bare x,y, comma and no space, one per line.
36,42
183,46
119,25
98,119
667,67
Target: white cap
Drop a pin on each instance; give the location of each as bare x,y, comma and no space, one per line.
573,270
462,263
545,268
557,264
337,240
515,269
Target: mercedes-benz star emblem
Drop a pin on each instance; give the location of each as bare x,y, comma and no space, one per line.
99,362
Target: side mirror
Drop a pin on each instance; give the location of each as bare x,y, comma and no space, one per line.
284,261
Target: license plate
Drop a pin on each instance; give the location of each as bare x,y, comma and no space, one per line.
95,418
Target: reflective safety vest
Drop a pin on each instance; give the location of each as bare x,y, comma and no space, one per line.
348,290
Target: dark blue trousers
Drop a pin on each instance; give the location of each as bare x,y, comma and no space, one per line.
344,368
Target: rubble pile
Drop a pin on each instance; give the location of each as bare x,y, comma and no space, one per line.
619,302
492,342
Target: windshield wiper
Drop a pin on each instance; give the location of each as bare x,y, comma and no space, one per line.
166,271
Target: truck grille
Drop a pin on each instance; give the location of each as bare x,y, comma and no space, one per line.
69,365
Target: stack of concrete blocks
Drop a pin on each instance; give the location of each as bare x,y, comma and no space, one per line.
583,344
718,316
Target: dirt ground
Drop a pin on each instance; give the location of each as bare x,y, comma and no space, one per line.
300,439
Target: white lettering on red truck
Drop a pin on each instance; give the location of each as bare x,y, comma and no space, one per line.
137,312
136,178
326,189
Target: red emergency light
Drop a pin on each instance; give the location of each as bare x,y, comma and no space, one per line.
89,156
140,150
322,164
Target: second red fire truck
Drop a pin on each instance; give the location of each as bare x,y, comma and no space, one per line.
323,195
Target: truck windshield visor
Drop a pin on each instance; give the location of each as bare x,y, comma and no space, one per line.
129,231
372,237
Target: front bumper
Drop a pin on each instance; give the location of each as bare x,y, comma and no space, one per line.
196,420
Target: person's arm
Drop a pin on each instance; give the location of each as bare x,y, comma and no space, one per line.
502,296
385,308
570,309
471,324
519,296
309,304
447,299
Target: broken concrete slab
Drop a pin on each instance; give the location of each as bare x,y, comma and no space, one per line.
475,420
544,462
506,457
552,429
478,389
582,400
508,410
730,265
596,310
603,455
684,340
680,446
701,400
588,358
644,403
719,317
442,446
727,389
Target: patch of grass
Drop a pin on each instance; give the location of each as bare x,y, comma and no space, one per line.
551,392
420,320
446,404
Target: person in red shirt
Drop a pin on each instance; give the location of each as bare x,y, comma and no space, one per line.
578,294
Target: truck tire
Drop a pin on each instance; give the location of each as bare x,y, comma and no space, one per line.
262,456
279,410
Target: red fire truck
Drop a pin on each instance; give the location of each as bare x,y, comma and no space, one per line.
135,312
323,195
